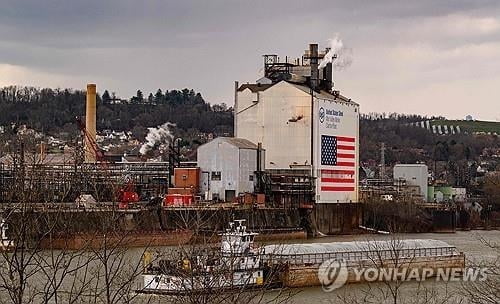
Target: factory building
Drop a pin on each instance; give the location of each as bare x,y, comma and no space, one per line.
228,167
303,123
414,175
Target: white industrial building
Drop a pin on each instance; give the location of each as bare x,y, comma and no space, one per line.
299,126
414,175
228,167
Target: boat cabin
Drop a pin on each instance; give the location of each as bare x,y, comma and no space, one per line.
237,240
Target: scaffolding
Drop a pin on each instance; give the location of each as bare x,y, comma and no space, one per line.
289,188
64,183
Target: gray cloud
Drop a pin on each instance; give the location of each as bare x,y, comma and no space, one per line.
404,51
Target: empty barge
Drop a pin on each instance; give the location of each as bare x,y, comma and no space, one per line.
302,261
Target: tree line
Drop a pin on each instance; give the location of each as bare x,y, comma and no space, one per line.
410,144
52,111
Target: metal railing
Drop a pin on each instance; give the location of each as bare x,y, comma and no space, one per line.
358,256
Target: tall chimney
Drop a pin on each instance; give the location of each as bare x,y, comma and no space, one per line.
235,109
313,62
328,77
90,125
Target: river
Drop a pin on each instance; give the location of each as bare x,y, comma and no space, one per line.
468,242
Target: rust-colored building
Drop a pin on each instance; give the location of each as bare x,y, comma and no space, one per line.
187,178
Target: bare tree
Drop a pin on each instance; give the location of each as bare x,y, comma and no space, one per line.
206,274
393,256
40,263
115,268
485,291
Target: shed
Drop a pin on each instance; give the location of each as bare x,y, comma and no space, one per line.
228,166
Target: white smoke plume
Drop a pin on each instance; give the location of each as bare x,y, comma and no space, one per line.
157,136
339,55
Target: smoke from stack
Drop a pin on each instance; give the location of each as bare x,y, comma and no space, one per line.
160,135
338,55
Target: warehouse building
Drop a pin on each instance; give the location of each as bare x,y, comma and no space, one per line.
228,167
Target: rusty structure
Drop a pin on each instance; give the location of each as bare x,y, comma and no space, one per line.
289,189
65,183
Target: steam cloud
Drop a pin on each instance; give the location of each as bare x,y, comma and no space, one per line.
344,55
157,136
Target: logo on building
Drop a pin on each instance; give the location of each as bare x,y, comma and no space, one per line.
332,274
321,115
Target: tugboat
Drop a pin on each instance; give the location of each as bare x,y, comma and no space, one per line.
5,243
236,265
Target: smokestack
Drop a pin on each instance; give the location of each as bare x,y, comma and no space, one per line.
313,62
235,109
328,77
90,125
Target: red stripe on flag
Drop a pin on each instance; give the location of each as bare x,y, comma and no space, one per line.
344,147
346,139
345,164
326,171
336,180
336,189
344,155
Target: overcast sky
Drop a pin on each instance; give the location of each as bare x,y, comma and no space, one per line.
434,57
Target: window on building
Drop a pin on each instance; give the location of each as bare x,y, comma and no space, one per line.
216,176
250,177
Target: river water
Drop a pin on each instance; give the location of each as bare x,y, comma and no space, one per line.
430,291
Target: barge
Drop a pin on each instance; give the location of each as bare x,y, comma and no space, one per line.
240,264
303,261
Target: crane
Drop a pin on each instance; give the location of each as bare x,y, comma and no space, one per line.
126,194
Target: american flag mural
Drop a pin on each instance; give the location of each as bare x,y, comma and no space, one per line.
339,154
